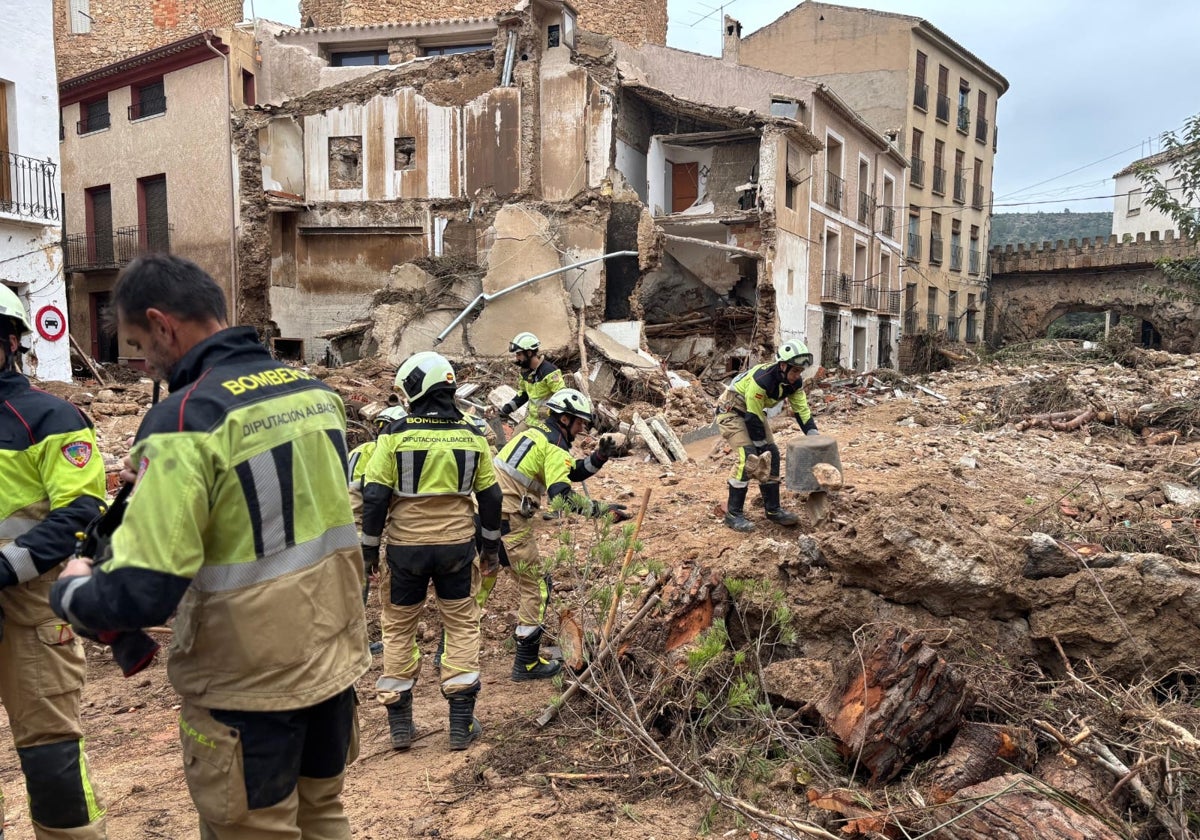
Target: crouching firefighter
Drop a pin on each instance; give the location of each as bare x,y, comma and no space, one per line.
52,480
538,461
419,485
240,525
743,422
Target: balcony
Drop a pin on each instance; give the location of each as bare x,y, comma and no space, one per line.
910,321
890,302
956,253
916,171
973,261
960,189
835,188
864,296
935,249
147,107
835,287
27,187
933,323
943,107
981,130
889,222
964,119
939,180
914,245
866,208
109,251
96,122
977,196
921,96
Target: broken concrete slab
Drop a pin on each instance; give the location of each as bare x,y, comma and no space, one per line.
601,381
703,432
628,333
647,434
616,352
673,445
499,396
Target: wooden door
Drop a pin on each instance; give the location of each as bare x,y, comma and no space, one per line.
685,185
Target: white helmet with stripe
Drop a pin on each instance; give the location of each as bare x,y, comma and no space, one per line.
524,341
422,372
570,402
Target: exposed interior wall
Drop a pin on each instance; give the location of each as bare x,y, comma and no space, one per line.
789,271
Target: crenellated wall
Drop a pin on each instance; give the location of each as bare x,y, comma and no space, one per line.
1089,253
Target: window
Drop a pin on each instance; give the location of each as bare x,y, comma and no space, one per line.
956,251
787,108
835,188
795,167
921,88
973,257
1134,202
405,149
952,316
935,238
455,49
888,222
981,122
914,233
939,170
345,163
153,226
359,58
80,22
249,94
149,99
916,164
98,219
93,116
931,309
964,106
943,93
977,186
960,178
553,35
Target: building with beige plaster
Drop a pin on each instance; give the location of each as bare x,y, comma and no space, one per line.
937,99
147,167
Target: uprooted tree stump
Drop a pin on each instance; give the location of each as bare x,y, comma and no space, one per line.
981,751
889,707
1016,807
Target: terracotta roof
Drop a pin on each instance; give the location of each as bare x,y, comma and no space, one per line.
376,27
1162,157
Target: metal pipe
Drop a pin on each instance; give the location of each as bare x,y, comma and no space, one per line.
510,56
484,297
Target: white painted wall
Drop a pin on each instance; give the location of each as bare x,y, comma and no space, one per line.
30,254
632,164
791,293
1131,215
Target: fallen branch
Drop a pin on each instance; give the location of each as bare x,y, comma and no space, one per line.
87,360
1082,419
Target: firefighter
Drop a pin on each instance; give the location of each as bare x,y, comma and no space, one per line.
240,524
53,485
535,462
744,425
539,379
418,486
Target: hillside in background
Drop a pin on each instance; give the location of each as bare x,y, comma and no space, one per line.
1017,228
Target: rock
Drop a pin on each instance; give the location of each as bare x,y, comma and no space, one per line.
797,682
114,409
828,476
1046,559
1180,494
966,462
1086,372
907,422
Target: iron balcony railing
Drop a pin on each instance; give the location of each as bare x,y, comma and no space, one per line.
914,245
865,296
834,189
27,186
107,251
921,97
952,328
939,180
916,171
964,119
147,107
866,207
88,125
943,107
891,302
935,248
972,327
889,221
956,253
973,261
910,320
933,323
977,196
981,129
960,188
835,287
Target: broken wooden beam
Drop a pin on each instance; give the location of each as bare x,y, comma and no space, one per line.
674,445
647,434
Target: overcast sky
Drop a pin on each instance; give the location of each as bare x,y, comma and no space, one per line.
1092,83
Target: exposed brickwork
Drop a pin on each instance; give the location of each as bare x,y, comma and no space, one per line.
632,22
124,28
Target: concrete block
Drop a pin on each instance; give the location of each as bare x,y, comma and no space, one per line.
627,333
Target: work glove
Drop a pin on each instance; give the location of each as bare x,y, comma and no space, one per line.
489,561
490,413
608,448
619,513
811,433
370,559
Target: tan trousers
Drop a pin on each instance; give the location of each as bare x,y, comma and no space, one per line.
525,564
41,678
756,461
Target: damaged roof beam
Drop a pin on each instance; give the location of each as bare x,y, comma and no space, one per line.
708,243
484,297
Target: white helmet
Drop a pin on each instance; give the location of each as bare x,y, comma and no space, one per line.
10,307
524,341
389,415
570,402
795,354
421,373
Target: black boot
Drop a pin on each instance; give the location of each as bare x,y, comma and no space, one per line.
464,726
528,665
770,494
734,516
400,723
441,650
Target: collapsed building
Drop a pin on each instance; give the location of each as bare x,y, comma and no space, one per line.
400,179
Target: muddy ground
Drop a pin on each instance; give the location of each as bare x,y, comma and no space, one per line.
932,531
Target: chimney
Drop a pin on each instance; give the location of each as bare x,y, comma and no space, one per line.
731,37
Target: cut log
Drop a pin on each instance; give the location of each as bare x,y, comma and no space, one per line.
647,434
1016,807
981,751
891,705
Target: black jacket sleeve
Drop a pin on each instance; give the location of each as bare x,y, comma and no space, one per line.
376,500
587,467
489,514
126,599
810,426
52,540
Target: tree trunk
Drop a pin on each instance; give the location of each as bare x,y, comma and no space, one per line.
979,752
1014,807
890,706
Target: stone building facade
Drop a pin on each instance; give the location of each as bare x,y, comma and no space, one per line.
634,23
90,34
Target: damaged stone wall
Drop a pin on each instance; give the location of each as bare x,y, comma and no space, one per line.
119,29
633,23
